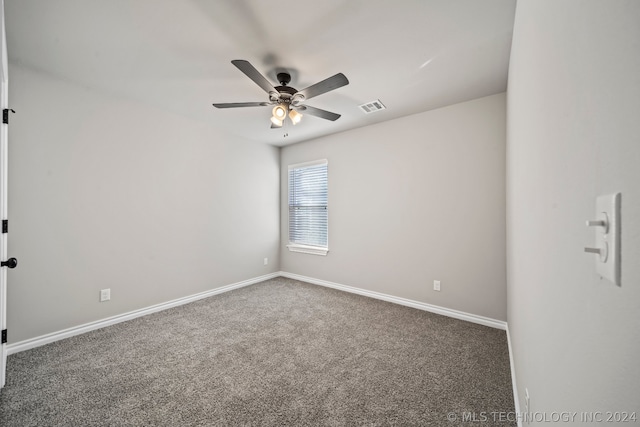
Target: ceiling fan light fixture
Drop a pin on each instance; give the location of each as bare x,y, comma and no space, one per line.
295,116
279,112
276,121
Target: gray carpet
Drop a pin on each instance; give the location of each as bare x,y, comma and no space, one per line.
281,352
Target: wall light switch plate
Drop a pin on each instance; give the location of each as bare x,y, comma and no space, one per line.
607,238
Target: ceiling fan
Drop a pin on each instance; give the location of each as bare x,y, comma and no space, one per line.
287,101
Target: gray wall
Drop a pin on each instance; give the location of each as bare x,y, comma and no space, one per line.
412,200
108,193
573,134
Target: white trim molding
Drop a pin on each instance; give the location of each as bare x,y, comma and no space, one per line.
516,400
87,327
308,164
305,249
474,318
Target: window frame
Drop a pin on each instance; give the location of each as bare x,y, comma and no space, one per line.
297,247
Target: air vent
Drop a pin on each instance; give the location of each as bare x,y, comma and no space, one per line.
373,106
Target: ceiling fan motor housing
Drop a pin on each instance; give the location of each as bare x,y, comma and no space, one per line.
287,92
284,78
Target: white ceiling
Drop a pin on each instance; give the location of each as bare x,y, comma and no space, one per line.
413,55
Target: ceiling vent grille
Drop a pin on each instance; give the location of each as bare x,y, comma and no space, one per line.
373,106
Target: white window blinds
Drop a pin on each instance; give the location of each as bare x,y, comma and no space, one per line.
308,204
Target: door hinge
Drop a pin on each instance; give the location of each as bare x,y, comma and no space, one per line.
5,115
4,336
5,226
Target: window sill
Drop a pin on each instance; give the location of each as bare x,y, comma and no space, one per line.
314,250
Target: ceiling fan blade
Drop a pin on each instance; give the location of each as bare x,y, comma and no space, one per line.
254,75
275,126
331,83
241,104
318,112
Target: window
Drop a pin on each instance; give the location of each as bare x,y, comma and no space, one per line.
308,208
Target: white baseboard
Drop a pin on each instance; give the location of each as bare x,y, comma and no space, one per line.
77,330
516,400
486,321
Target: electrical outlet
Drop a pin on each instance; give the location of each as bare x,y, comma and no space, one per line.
105,295
266,261
436,285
